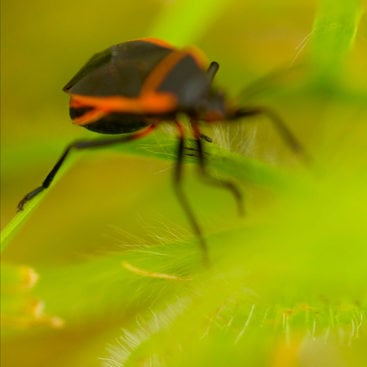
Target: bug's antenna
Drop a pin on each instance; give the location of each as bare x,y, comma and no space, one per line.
212,70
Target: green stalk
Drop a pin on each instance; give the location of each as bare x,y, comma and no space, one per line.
185,20
333,35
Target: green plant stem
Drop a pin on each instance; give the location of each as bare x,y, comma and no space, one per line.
333,34
186,19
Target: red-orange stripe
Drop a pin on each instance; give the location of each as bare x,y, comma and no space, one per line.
147,103
89,117
161,70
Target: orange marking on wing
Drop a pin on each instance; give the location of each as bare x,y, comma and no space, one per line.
89,117
158,74
161,70
198,56
153,102
74,103
148,103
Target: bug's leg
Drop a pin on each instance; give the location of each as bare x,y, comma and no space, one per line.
279,124
206,138
177,181
212,70
79,145
192,151
211,179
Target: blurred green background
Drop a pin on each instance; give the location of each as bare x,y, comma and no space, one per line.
300,249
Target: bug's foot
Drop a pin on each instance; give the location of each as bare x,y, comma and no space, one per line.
20,205
29,197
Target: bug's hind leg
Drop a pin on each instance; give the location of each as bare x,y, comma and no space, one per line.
79,145
177,180
211,179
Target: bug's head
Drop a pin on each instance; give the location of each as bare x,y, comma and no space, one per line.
213,106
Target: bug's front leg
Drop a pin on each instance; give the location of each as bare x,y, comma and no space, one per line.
177,181
79,145
211,180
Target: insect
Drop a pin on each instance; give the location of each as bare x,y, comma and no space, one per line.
132,87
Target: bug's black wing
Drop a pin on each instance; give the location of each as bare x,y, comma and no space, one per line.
98,60
118,71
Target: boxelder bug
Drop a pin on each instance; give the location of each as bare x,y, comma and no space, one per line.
134,86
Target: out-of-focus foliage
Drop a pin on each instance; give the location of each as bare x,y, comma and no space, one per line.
114,277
